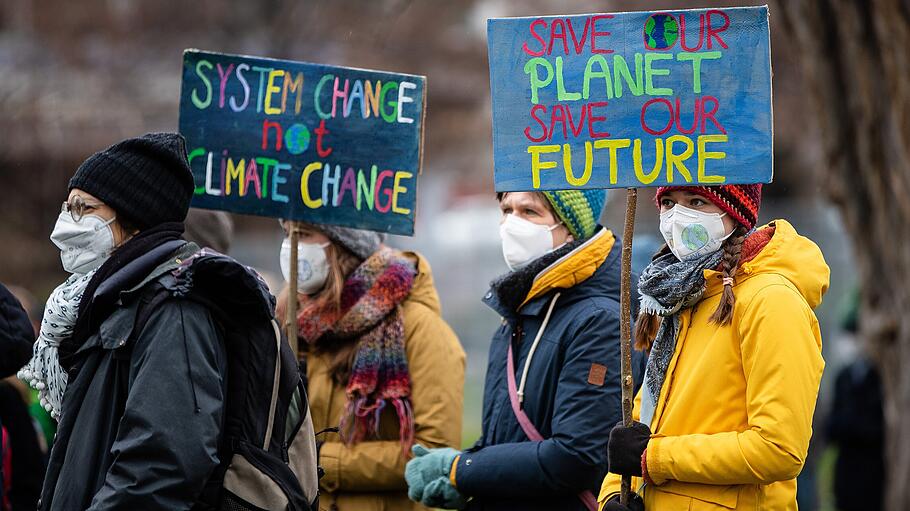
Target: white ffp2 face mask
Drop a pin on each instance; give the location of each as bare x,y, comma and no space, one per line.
84,245
312,265
523,241
690,233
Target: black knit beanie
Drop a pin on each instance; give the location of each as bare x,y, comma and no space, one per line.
147,179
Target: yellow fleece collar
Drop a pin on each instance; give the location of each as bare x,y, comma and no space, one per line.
573,268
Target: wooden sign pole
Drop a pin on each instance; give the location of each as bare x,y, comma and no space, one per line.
291,323
625,326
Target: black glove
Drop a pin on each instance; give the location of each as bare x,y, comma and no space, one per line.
625,448
635,504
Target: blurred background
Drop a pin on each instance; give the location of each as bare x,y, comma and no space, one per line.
78,76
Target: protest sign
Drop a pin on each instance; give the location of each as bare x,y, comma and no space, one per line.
301,141
631,99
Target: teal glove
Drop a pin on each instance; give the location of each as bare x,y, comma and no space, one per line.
428,478
441,494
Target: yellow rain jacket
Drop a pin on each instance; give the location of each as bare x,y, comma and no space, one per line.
732,425
369,476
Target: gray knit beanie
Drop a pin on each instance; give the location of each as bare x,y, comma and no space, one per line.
359,242
209,228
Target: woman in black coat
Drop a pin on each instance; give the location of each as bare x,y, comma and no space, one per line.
140,412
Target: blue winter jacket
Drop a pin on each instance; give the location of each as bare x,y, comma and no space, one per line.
568,396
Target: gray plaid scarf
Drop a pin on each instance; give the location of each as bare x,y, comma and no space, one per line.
667,286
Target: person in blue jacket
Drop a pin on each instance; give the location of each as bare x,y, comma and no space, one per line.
552,388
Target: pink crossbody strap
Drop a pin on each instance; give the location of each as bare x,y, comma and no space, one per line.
586,497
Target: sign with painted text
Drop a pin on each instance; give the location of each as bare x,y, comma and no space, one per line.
631,99
301,141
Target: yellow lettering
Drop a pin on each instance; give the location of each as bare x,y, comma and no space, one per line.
567,164
272,88
676,160
650,177
235,172
400,189
704,154
305,186
614,146
537,165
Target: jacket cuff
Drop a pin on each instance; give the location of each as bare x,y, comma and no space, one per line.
653,462
453,471
330,461
459,469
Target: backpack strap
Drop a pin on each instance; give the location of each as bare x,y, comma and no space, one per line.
148,303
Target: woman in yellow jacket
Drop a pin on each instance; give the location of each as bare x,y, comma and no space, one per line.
383,369
724,418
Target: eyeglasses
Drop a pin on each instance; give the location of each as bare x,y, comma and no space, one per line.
77,207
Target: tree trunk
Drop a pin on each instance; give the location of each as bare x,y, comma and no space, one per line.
856,62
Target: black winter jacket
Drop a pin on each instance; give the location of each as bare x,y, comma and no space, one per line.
16,334
16,338
142,418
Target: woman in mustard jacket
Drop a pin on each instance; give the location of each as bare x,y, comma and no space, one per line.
724,418
380,362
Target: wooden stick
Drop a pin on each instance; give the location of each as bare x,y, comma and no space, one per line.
291,324
625,327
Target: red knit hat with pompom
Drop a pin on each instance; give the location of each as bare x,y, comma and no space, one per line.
739,201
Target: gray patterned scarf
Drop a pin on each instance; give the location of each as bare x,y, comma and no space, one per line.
43,372
667,286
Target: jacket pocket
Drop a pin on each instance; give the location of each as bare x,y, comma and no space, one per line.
704,497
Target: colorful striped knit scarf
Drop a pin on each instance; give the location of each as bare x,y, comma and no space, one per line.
371,314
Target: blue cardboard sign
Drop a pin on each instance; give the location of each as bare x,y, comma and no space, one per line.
309,142
631,99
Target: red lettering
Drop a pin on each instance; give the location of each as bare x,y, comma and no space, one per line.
581,123
584,35
543,126
537,36
558,118
554,35
266,124
714,33
710,115
682,32
388,192
321,131
596,118
644,108
695,116
595,33
563,116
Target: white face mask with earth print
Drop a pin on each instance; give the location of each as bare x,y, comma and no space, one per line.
312,265
690,233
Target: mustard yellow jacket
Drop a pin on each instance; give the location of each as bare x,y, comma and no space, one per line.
732,425
369,476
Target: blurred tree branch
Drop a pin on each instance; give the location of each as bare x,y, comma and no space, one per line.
856,61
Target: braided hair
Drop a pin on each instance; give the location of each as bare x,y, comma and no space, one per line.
729,265
647,324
